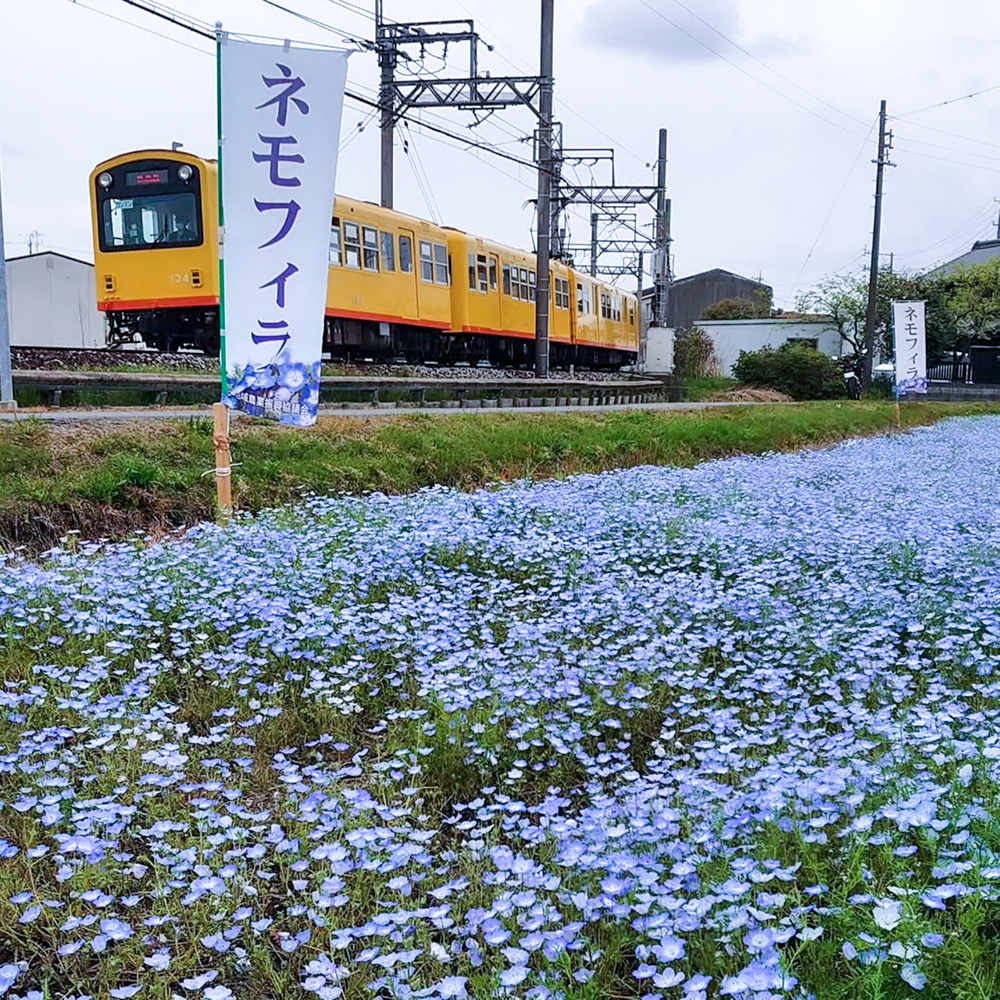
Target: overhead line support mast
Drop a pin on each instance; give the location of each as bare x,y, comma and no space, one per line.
474,93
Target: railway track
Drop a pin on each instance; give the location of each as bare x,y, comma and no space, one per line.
123,361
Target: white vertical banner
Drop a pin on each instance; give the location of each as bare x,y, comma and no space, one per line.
909,333
280,121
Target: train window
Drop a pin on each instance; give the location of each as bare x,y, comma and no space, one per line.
426,261
352,245
481,273
531,286
493,272
506,279
515,283
579,297
441,268
405,254
371,248
336,255
165,220
472,272
562,293
388,252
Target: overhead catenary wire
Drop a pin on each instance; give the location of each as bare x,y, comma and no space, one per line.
361,99
141,27
420,175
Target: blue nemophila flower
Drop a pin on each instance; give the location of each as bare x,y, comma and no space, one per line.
911,975
815,651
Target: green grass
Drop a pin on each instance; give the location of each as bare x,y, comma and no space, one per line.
111,481
698,389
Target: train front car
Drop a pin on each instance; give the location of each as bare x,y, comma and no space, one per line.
155,220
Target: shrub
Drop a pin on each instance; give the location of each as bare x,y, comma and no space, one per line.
759,307
801,372
694,354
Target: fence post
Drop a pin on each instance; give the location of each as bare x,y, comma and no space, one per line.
223,463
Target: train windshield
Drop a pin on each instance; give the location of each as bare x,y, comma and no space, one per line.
151,220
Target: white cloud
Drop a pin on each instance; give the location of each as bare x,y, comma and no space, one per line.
667,31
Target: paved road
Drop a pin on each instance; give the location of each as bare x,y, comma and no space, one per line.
68,415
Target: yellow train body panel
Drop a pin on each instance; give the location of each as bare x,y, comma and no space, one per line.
387,267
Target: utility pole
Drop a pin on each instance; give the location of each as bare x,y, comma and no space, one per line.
544,191
661,266
639,317
884,145
387,56
6,380
593,244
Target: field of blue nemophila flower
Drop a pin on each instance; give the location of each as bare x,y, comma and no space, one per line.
731,731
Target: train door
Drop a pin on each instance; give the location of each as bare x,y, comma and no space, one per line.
409,286
488,280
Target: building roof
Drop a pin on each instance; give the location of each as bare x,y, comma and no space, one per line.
981,252
50,253
715,272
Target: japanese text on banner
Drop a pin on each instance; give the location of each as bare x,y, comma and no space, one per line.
911,347
281,113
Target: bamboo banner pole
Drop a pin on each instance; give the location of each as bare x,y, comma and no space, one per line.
223,463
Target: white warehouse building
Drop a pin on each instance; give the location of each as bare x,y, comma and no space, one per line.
53,302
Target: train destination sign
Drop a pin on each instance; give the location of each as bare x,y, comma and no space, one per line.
281,112
140,178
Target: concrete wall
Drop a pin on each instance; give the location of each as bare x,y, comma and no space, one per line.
731,336
53,302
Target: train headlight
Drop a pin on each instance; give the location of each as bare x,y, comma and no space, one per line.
184,172
105,179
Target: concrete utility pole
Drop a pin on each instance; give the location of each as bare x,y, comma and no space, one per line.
387,56
6,380
545,163
884,145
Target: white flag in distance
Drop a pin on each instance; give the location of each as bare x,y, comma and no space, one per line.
281,112
911,347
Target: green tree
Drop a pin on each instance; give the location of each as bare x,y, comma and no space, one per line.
974,300
759,307
844,298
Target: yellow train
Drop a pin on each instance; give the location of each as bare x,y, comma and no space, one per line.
400,287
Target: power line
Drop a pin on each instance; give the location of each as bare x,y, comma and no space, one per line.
955,135
746,72
829,215
313,21
953,100
760,62
522,69
149,31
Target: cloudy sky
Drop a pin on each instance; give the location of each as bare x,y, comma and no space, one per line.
771,107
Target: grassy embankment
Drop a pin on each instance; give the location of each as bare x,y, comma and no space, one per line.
109,481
